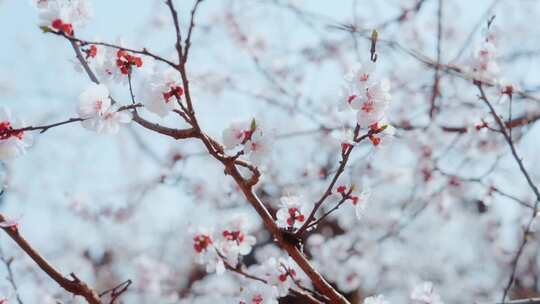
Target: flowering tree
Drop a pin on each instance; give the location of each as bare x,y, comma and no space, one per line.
350,153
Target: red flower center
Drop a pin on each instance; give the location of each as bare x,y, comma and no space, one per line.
201,242
65,28
237,235
295,215
368,106
125,61
257,299
175,91
7,131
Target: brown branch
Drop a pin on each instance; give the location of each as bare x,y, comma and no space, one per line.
525,173
174,15
343,199
45,128
340,170
509,141
452,69
436,90
117,290
230,168
290,247
190,30
74,285
82,42
238,270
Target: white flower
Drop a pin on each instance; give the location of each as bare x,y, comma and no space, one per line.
113,118
234,243
361,74
236,134
256,141
12,144
424,294
94,101
259,293
165,88
366,95
384,137
62,15
373,103
378,299
292,213
277,272
117,64
96,110
203,244
258,146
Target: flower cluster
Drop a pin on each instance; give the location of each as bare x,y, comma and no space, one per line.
226,247
63,15
293,213
256,141
98,112
110,64
13,142
368,96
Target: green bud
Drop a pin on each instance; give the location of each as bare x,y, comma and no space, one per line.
253,124
45,29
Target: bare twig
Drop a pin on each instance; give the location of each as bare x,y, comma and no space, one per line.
525,173
73,285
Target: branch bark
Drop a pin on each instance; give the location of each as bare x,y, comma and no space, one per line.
73,285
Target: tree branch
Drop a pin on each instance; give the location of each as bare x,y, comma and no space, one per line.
74,285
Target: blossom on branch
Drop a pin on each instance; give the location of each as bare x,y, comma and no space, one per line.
114,64
367,96
293,213
383,133
95,107
235,241
63,15
256,140
259,146
237,133
278,272
206,253
13,143
163,92
225,248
